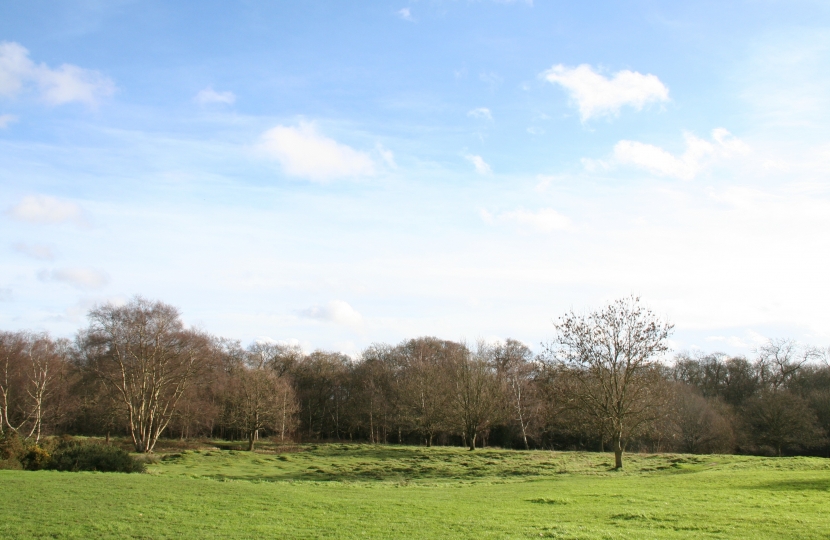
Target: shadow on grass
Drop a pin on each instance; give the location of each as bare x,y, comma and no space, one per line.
817,484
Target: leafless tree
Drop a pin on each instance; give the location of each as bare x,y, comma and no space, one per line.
518,372
781,420
259,398
425,389
142,351
30,367
780,359
475,400
699,426
611,355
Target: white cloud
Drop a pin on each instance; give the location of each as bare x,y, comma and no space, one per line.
533,130
336,311
81,278
482,113
481,166
596,95
544,220
405,14
387,156
303,152
6,119
698,155
751,340
209,95
35,251
64,84
5,295
492,79
45,209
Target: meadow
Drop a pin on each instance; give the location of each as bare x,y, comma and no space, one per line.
373,491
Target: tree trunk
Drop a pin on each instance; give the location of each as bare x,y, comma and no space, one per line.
251,441
472,439
618,451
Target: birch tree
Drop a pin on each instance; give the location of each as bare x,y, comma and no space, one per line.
142,352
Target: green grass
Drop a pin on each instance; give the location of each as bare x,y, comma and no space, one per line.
363,491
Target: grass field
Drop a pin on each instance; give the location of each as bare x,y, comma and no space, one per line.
363,491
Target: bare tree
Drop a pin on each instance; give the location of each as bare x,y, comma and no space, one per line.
259,398
611,355
699,427
425,381
142,351
781,420
516,368
475,402
30,367
780,359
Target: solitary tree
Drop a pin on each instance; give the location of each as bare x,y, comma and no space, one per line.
611,355
143,353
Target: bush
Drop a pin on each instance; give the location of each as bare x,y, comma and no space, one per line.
11,447
77,456
35,459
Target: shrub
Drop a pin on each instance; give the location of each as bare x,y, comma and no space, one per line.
11,447
35,459
77,456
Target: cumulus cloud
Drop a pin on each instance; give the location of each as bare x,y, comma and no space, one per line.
6,119
336,311
35,251
406,14
544,220
596,95
482,113
699,154
305,153
478,162
56,86
45,209
80,278
209,95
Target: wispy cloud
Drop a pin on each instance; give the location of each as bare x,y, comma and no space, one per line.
336,311
478,162
65,84
46,209
492,79
80,278
35,251
699,154
209,95
482,113
6,119
596,95
304,153
545,220
405,14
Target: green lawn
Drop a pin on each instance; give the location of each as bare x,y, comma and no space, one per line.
362,491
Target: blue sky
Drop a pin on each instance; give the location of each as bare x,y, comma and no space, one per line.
335,174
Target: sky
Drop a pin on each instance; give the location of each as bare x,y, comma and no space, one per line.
334,174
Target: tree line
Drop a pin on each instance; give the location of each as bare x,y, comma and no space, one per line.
604,382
